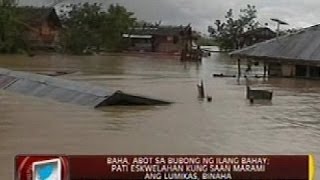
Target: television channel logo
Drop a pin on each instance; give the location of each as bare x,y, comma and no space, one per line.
47,170
41,168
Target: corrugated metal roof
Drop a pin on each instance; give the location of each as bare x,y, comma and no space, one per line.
303,45
67,91
137,36
161,30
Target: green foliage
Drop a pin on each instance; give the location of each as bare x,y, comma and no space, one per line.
119,21
206,41
88,28
11,37
7,3
227,34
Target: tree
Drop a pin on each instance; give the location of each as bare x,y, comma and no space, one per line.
80,27
228,34
11,31
7,2
119,21
87,26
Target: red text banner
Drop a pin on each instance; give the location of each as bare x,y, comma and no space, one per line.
189,167
103,167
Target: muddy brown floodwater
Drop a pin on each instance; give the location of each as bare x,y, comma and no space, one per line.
227,125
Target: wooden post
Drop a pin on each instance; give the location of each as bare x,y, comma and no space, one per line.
183,55
239,69
264,70
201,90
248,92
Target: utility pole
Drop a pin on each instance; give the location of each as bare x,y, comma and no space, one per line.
279,22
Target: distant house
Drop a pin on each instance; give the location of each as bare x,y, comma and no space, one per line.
42,26
162,39
293,55
255,36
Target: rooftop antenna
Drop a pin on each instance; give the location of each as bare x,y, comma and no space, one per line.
279,22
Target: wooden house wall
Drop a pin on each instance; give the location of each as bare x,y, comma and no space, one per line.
138,44
288,70
294,70
43,35
168,44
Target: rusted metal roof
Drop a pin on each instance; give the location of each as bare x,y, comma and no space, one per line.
67,91
37,15
302,46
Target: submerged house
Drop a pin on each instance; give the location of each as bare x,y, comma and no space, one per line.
42,26
293,55
161,39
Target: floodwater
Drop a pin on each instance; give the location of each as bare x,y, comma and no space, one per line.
227,125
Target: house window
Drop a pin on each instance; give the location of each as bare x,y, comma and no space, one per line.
169,38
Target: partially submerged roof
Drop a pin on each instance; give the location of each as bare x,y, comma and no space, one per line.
303,45
67,91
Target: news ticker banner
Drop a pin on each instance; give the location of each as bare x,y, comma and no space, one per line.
89,167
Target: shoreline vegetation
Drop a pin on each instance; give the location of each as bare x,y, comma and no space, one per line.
81,29
88,29
85,29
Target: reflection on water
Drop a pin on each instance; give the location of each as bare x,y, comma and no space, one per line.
227,125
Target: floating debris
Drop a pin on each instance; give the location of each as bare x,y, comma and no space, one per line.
253,94
200,87
223,75
56,73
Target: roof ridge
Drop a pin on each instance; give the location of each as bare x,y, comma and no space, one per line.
277,38
301,45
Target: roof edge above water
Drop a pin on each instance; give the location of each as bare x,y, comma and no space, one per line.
68,91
